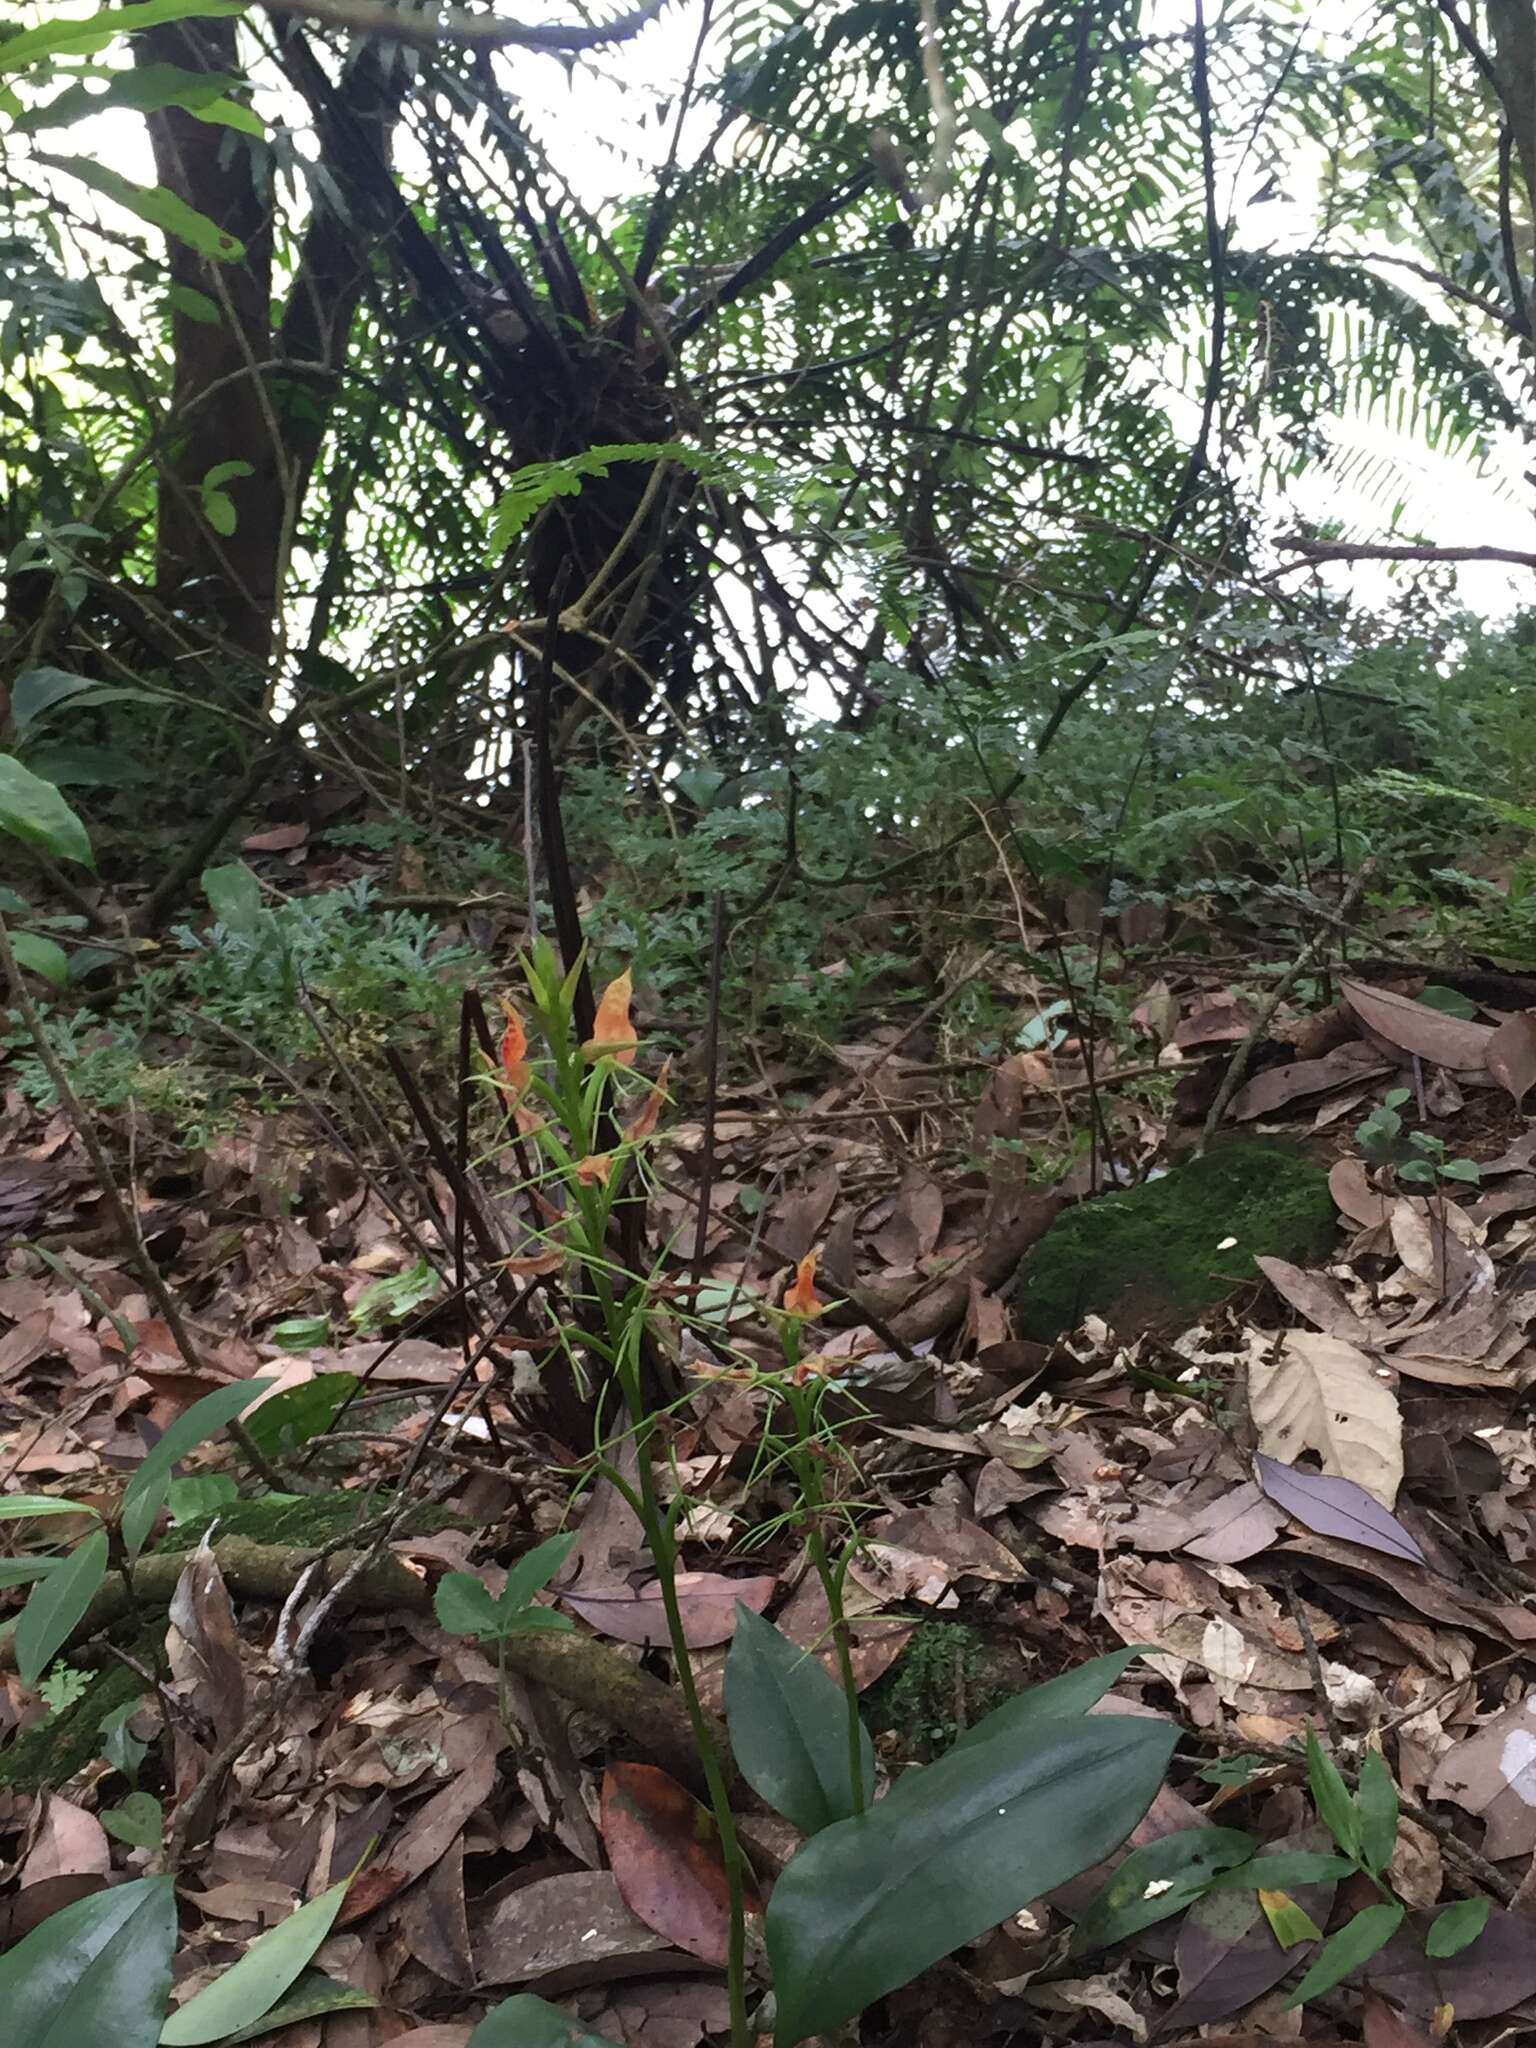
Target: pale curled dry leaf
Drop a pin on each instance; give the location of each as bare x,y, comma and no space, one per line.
1312,1392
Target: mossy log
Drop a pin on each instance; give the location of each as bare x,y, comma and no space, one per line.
588,1673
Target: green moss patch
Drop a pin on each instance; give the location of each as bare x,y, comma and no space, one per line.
1159,1255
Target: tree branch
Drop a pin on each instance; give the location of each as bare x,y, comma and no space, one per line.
456,25
1370,551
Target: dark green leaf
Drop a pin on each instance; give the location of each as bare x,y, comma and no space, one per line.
1074,1692
199,1494
299,1333
1355,1943
56,1606
789,1727
299,1414
1457,1927
33,811
952,1850
249,1989
528,2022
145,1492
1286,1867
94,1975
1157,1880
1330,1795
1376,1801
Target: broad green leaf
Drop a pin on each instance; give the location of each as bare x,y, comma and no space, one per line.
199,1494
291,1418
464,1605
15,1506
789,1727
1457,1927
76,764
1376,1802
234,895
1157,1880
145,1492
1330,1795
1355,1943
94,1975
156,204
529,2022
951,1851
249,1989
56,1606
138,1819
1059,1699
83,35
311,1998
45,957
32,810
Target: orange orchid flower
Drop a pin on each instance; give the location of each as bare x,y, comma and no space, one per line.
514,1049
594,1169
613,1030
800,1297
650,1110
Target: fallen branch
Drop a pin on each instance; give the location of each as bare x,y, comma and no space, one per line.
585,1672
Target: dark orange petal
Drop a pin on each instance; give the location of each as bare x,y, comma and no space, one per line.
514,1049
650,1110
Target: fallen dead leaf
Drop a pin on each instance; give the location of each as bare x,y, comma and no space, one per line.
1307,1391
666,1858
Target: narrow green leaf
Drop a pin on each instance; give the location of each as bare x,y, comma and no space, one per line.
1156,1881
15,1506
20,1571
1355,1943
97,1972
250,1988
1376,1803
1286,1867
155,204
145,89
56,1606
1058,1699
83,35
32,810
1330,1795
789,1726
145,1492
952,1850
299,1333
1457,1927
311,1998
529,2022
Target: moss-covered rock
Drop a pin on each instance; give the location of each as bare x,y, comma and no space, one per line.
1157,1256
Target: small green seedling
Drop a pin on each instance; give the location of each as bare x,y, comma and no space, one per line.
466,1606
1415,1156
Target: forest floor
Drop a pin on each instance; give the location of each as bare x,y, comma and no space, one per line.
1263,1411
